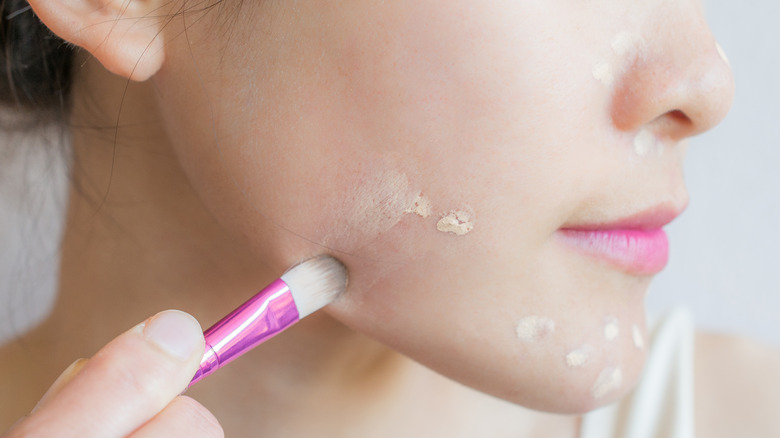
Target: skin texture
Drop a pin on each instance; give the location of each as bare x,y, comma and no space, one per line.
276,131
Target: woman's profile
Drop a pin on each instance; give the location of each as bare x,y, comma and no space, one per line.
495,176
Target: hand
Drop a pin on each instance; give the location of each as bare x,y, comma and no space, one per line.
129,388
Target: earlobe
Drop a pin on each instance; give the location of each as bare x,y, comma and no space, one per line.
123,35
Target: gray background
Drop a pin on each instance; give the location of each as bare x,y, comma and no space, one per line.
724,253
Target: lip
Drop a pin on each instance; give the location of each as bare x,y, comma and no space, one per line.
636,243
649,219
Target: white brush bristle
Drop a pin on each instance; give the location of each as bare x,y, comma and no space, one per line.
315,283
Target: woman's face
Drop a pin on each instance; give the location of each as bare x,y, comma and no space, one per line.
440,149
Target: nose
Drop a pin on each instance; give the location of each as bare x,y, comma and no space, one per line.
681,84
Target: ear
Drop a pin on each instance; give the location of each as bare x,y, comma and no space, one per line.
124,35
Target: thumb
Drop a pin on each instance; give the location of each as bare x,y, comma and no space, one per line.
66,376
127,382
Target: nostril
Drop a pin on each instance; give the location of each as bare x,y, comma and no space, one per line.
679,117
673,124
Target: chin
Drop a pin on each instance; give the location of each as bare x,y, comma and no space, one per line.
473,338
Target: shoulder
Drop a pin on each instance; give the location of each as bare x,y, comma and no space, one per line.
737,387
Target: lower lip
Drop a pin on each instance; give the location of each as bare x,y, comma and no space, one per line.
640,252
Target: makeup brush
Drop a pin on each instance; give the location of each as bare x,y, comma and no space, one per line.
302,290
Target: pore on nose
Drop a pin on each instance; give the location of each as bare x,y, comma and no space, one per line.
682,85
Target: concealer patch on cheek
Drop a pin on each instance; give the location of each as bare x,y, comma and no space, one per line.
379,203
608,381
534,328
611,328
578,357
375,203
639,341
458,222
422,207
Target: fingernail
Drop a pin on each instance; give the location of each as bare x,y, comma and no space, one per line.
66,376
176,332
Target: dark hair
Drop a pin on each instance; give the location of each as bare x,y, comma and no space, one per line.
36,66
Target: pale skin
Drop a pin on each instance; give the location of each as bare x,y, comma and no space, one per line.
241,150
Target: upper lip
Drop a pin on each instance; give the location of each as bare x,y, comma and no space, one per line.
650,218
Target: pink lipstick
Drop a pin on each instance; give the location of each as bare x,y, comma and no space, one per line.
640,252
636,243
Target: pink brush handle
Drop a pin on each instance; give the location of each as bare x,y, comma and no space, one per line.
262,317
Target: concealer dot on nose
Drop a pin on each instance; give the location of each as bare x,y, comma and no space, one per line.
722,54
